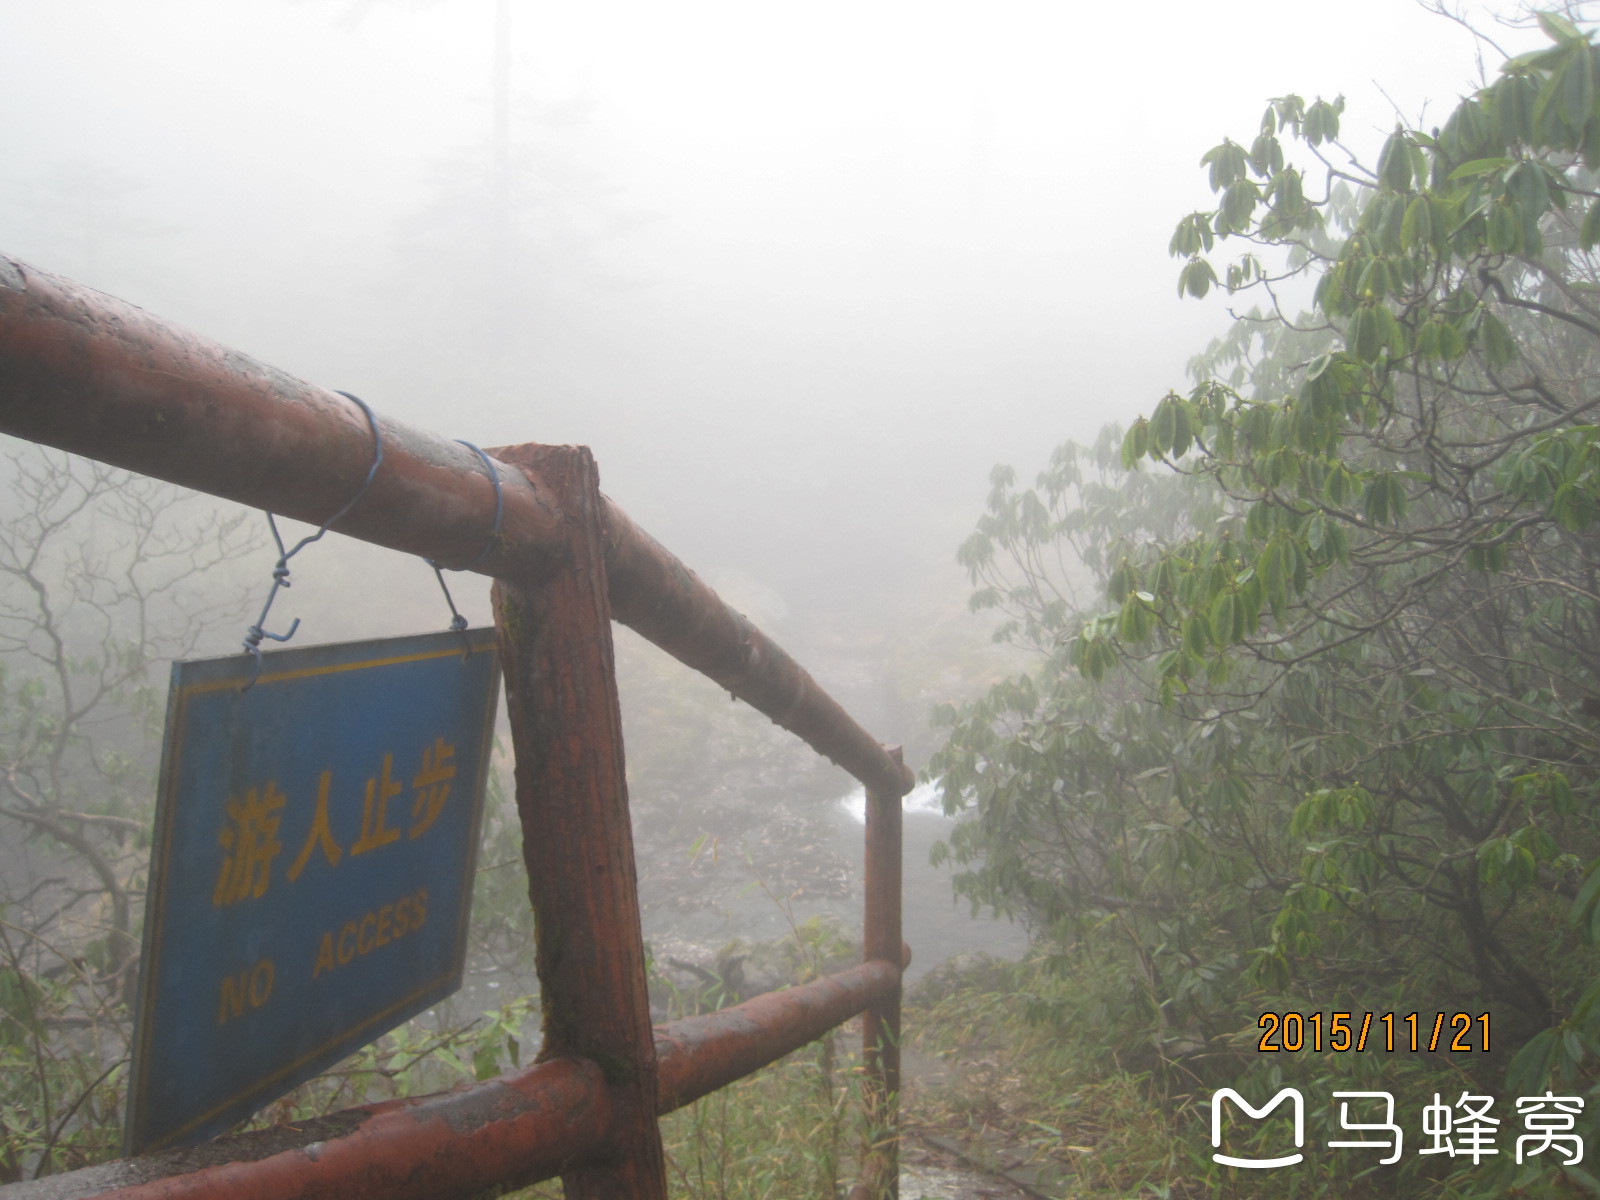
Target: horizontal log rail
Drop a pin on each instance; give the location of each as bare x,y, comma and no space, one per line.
515,1130
86,373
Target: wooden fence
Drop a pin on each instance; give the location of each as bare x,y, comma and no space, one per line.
87,373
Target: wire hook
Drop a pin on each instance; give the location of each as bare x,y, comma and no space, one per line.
255,634
458,622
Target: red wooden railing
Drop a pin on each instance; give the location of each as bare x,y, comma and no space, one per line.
84,372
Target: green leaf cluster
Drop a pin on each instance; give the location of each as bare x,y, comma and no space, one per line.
1330,712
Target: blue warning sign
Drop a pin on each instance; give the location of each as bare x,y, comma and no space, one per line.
311,870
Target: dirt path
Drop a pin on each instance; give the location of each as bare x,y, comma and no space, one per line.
932,1172
946,1164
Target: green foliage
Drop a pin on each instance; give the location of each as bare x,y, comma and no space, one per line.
1040,1056
60,1101
788,1131
792,1129
414,1059
100,576
1330,732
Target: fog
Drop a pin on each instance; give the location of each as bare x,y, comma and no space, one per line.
799,276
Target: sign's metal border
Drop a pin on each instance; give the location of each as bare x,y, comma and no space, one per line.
200,677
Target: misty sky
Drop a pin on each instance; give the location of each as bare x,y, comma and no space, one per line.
803,271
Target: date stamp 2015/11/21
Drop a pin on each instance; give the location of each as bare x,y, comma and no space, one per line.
1455,1033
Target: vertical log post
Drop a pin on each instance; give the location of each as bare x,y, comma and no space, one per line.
880,1024
566,729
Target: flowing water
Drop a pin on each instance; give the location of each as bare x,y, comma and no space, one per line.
802,859
935,923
